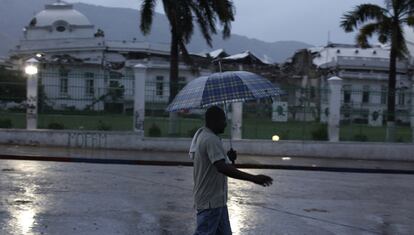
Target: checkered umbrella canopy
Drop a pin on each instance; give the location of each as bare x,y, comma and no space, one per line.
220,88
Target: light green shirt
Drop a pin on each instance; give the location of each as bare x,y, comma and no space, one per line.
210,186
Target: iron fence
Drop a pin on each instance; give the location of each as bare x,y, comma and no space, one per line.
104,100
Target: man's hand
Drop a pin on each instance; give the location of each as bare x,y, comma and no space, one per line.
231,171
232,154
263,180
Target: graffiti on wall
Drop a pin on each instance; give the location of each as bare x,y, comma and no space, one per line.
87,140
138,122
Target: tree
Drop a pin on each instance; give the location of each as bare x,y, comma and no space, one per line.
12,86
386,22
181,15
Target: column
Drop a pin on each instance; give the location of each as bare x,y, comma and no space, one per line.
236,120
237,117
140,75
335,85
31,93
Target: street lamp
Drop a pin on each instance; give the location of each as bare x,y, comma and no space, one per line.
31,67
31,94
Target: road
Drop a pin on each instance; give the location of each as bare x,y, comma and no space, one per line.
81,198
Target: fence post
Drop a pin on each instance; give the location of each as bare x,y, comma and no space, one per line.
236,120
335,85
412,112
31,93
140,75
237,117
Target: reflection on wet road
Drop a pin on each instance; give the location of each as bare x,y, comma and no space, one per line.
74,198
22,199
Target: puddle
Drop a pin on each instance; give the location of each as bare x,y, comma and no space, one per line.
8,170
315,210
21,202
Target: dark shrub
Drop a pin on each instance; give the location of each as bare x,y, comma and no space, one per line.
360,137
56,126
103,126
154,131
321,133
6,123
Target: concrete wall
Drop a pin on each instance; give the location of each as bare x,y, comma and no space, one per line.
136,141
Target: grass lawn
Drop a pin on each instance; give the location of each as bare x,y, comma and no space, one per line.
360,132
253,128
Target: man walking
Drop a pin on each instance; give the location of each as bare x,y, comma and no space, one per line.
211,168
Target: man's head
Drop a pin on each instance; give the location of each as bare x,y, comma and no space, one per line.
215,119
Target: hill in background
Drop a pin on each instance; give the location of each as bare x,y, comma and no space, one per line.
122,24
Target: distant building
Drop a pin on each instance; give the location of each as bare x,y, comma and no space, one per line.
365,82
5,64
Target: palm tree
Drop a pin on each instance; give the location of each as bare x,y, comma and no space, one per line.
181,15
388,23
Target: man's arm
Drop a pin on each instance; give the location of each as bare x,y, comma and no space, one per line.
231,171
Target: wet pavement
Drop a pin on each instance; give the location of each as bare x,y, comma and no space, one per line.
78,198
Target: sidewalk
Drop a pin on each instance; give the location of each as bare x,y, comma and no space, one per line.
19,152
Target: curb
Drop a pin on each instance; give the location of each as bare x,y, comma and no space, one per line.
182,163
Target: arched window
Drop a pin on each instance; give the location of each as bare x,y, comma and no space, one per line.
61,26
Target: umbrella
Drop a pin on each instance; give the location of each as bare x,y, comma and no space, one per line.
223,88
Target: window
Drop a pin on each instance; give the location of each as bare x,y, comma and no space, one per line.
60,25
114,84
89,75
181,83
365,94
115,75
89,87
63,82
61,28
63,86
89,84
347,93
384,91
312,92
159,86
401,97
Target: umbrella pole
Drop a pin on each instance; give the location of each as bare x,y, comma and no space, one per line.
226,112
231,145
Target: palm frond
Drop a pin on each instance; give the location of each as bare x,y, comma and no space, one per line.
410,6
385,31
209,12
361,14
366,32
225,12
184,20
206,19
147,13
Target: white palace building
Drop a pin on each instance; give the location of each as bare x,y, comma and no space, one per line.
79,66
364,74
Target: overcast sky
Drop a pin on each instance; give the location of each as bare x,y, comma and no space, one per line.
310,21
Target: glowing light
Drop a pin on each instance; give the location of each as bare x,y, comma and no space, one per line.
38,55
275,138
286,158
31,70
